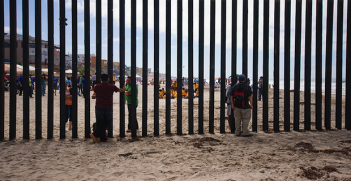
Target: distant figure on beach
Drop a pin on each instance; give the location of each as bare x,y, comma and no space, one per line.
129,102
103,109
43,84
240,97
260,88
93,78
55,84
20,82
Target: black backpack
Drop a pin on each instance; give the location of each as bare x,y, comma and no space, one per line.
239,96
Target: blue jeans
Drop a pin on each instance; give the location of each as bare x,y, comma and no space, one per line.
43,89
68,112
103,120
260,90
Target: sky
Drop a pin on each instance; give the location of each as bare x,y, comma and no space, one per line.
162,34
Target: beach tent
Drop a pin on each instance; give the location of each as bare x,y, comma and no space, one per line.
137,76
69,71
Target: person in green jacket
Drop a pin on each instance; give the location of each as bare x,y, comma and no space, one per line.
129,101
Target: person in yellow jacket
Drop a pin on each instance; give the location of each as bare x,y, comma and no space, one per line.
114,78
197,93
185,93
162,93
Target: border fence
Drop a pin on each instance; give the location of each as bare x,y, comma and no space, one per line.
122,15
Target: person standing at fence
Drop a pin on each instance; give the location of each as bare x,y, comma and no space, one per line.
55,84
260,88
240,97
81,84
68,103
129,102
103,93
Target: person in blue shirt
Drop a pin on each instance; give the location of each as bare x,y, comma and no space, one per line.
83,84
20,82
55,84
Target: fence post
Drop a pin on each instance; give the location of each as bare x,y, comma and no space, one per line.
109,55
62,70
156,65
87,66
122,66
339,42
265,63
50,122
132,112
223,65
307,116
234,50
145,63
2,72
276,64
245,46
287,66
297,75
13,69
74,70
168,66
25,16
191,67
212,65
319,41
348,69
179,65
328,65
201,68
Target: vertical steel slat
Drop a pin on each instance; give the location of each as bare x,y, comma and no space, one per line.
287,66
145,62
276,64
191,67
328,65
245,44
2,72
87,67
234,59
109,54
201,68
38,93
50,122
255,66
212,65
74,110
179,65
26,88
132,112
348,69
122,66
339,42
156,65
223,62
318,77
168,66
265,63
13,69
62,70
297,74
98,46
308,41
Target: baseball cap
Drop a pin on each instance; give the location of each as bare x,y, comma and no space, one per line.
242,77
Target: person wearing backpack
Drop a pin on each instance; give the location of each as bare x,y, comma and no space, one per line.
240,97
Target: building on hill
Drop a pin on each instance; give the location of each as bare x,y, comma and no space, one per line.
19,45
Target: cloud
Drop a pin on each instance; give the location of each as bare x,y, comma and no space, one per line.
7,30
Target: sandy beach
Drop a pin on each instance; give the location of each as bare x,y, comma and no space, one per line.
323,155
